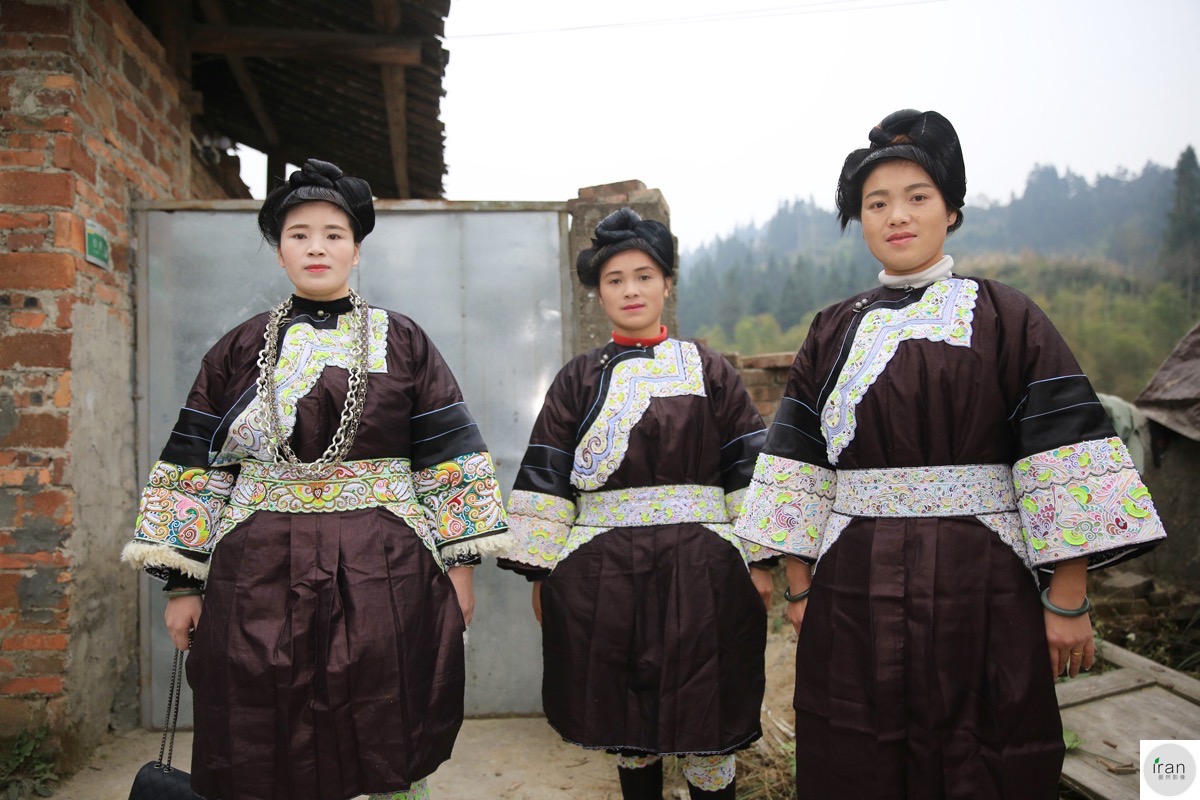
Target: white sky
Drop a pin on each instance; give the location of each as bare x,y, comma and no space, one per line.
730,116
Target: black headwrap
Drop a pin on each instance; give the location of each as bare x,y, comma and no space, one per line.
925,137
318,180
622,230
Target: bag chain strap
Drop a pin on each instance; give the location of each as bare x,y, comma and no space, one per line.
173,697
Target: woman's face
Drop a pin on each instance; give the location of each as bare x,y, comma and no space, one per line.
904,217
317,250
633,290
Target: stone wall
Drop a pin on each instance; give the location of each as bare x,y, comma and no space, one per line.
91,119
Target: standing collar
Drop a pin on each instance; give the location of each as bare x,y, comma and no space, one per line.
943,269
626,341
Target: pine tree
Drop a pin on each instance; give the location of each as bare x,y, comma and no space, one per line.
1181,243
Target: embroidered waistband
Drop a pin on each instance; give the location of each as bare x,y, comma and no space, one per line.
348,486
652,505
952,491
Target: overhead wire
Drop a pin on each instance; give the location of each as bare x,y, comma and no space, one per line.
793,9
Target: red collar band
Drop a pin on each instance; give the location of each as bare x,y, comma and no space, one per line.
626,341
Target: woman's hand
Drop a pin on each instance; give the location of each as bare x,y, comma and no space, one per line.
1072,646
763,584
795,613
537,601
799,578
182,616
463,579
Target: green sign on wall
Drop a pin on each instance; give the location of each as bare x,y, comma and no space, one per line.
97,245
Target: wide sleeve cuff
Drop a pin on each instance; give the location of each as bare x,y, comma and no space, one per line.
1085,499
461,499
540,524
787,506
178,511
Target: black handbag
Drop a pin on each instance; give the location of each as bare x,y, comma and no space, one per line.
158,780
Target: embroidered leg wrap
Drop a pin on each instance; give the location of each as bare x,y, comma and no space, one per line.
419,790
710,777
641,777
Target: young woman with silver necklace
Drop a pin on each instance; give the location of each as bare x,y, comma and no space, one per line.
315,516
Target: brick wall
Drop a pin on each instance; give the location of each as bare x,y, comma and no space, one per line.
765,377
90,120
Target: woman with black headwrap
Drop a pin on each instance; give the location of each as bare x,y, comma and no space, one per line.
653,628
325,491
941,458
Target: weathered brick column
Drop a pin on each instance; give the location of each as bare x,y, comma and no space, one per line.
90,118
592,328
766,378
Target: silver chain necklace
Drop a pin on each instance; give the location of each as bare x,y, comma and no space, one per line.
278,446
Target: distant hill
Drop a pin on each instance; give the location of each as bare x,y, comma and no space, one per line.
799,262
1087,252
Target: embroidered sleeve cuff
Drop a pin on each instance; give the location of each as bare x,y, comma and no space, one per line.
180,508
461,498
1084,499
540,524
161,559
787,506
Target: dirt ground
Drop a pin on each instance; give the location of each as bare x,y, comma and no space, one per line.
509,759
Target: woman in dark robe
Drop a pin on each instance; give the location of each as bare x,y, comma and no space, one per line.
940,457
653,628
326,492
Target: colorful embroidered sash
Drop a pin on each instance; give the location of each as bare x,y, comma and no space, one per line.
949,491
349,486
652,505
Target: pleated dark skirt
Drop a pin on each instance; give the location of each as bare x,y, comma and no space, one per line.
328,661
653,642
922,670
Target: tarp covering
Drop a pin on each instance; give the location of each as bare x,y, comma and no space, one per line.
1172,398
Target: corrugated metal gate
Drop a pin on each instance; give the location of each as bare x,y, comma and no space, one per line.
484,279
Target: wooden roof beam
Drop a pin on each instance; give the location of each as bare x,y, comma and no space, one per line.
237,65
388,16
235,40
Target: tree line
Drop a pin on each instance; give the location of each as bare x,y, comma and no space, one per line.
1114,263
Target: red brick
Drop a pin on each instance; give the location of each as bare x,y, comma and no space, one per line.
48,664
7,666
53,504
9,597
27,320
36,189
35,350
28,560
60,82
35,641
18,122
37,270
47,431
21,158
69,155
69,231
62,395
23,221
28,141
48,685
29,18
66,304
10,619
50,44
26,241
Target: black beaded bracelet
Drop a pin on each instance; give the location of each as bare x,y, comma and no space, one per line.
795,598
1065,612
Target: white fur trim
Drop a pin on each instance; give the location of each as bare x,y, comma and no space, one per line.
147,554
